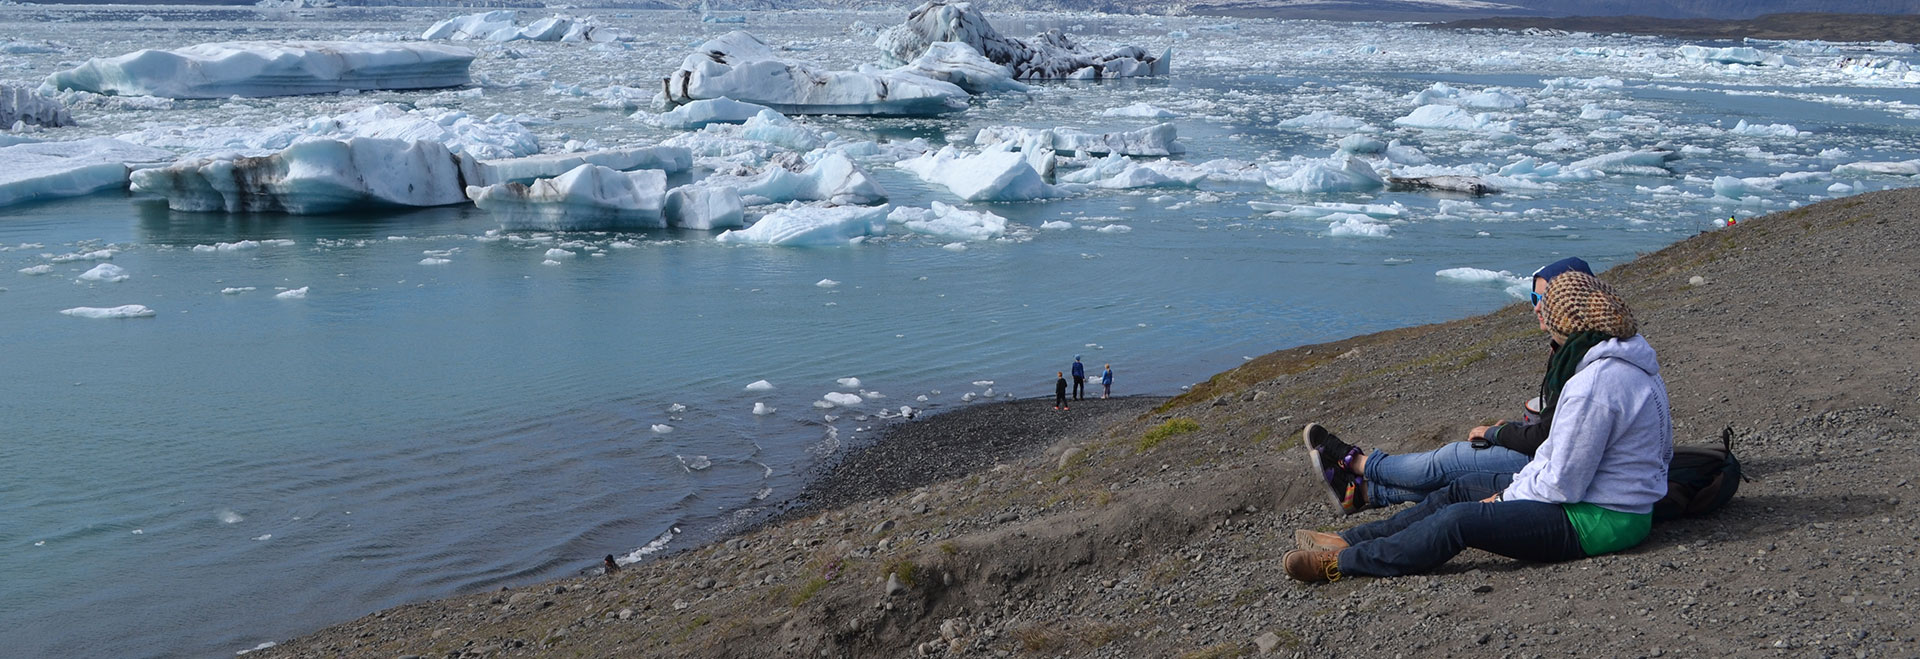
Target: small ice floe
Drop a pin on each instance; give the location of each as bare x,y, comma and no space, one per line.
139,531
694,463
229,517
979,383
849,382
842,399
1141,110
824,405
40,543
263,538
292,294
123,311
921,398
1057,225
257,648
95,255
434,261
662,428
760,385
826,283
830,418
988,393
906,411
557,253
967,397
676,408
763,409
235,290
1515,285
106,273
41,269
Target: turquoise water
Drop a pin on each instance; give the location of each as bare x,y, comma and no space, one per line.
241,468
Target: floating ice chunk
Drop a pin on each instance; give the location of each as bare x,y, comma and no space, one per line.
1766,130
775,128
827,283
1436,93
123,311
19,105
669,159
1646,162
1472,185
54,170
1051,55
960,64
944,221
292,294
1328,208
1514,285
1352,175
1840,189
499,26
698,114
763,409
1447,117
990,176
834,179
1593,112
662,428
1358,143
435,261
557,253
266,68
263,538
1736,55
849,382
236,290
704,208
1356,226
1156,140
1900,168
1322,121
107,273
1057,225
1115,228
739,66
812,226
1492,99
676,408
229,517
693,463
968,397
316,176
95,255
590,197
1601,82
842,399
1141,110
41,269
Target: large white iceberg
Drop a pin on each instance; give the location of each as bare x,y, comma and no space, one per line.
944,221
741,67
315,176
1157,140
802,226
705,208
270,68
589,197
1051,55
698,114
499,26
22,105
52,170
1350,175
990,176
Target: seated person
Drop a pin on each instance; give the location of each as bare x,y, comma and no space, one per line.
1359,480
1589,489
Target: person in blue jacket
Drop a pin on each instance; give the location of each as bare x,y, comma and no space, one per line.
1106,383
1079,379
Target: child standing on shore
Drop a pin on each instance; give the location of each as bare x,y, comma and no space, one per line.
1106,383
1060,391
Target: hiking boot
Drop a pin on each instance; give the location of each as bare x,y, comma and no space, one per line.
1312,566
1317,541
1327,449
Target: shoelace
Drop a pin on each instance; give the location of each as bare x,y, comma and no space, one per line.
1332,570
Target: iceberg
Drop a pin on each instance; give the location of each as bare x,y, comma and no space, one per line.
698,114
1118,172
1156,140
741,67
812,226
122,311
776,129
19,105
1472,185
1737,55
1357,143
1141,110
1350,175
1447,117
1898,168
589,197
960,64
944,221
668,159
315,176
106,272
53,170
1322,120
704,208
990,176
1051,55
1645,162
270,68
1766,130
1492,99
499,26
834,179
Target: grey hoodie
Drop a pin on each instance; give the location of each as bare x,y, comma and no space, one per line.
1612,435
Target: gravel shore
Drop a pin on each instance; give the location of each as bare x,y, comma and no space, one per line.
1155,528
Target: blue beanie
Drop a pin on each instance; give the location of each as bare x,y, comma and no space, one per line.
1561,267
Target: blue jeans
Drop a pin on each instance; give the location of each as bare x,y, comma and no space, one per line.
1410,477
1452,519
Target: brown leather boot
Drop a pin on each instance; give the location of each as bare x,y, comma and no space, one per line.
1312,566
1317,541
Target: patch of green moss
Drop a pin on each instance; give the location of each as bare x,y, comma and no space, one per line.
1172,428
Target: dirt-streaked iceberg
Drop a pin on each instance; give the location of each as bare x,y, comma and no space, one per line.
22,105
1051,55
270,68
588,197
315,176
741,67
499,26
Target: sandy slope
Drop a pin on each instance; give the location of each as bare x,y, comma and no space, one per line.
1802,337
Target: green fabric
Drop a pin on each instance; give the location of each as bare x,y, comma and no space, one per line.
1565,362
1604,531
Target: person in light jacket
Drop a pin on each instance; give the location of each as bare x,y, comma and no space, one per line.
1589,489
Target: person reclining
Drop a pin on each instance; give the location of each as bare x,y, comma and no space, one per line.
1359,479
1590,488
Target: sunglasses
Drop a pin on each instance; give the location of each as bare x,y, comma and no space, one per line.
1537,298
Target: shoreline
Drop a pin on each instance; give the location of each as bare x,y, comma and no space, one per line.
1847,28
1161,533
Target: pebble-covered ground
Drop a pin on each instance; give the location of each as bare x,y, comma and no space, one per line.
1160,533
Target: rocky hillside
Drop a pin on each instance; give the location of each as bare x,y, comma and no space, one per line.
1158,532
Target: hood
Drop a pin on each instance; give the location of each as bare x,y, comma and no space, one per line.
1634,350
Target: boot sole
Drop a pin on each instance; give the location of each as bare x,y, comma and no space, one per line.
1320,470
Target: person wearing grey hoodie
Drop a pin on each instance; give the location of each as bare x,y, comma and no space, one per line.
1589,489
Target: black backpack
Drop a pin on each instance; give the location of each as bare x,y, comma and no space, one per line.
1700,480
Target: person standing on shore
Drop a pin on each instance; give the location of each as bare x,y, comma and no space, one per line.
1060,391
1106,383
1079,379
1588,491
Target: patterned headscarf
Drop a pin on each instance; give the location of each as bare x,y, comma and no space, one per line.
1577,302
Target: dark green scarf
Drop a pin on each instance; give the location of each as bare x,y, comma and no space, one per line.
1561,366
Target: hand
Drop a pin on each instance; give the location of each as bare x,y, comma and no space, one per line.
1495,498
1478,432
